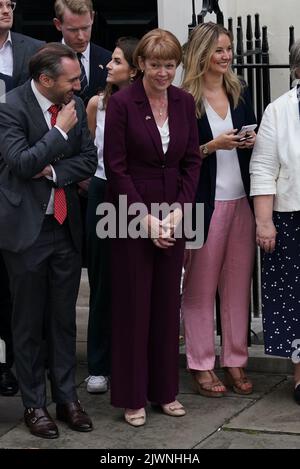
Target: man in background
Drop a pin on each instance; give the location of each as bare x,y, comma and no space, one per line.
74,19
15,52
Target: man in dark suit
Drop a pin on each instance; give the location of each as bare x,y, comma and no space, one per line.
15,52
75,20
6,84
45,149
15,49
8,382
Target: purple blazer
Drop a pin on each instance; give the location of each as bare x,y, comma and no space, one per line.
134,160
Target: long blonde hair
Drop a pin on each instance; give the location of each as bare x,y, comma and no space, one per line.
197,54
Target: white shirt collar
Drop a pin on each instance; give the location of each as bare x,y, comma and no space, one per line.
292,93
8,38
41,99
7,41
85,54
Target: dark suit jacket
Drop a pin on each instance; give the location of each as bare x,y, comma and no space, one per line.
23,47
133,154
99,58
27,146
242,115
8,82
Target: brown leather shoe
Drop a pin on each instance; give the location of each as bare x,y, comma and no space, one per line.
40,423
75,416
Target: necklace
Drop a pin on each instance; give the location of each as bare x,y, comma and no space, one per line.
159,106
161,110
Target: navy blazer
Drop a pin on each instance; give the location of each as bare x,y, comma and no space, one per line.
8,81
133,155
99,58
243,114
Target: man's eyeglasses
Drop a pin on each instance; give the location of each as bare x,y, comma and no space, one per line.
8,5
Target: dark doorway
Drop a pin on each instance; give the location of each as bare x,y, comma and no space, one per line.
124,18
114,18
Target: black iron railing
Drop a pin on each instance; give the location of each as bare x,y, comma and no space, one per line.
255,61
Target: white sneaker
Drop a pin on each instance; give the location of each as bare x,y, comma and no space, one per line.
95,384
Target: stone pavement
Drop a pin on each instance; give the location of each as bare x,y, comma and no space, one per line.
266,419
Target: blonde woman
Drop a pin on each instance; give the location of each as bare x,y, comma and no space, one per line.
225,261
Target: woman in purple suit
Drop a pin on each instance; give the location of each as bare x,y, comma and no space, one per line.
151,154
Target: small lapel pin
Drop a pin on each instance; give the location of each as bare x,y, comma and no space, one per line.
101,66
147,118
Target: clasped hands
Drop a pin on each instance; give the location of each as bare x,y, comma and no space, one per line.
162,231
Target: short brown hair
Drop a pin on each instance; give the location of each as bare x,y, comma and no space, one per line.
158,44
78,7
48,58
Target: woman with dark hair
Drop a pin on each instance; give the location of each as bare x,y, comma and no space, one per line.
121,72
225,261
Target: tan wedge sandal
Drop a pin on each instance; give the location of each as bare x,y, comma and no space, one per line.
240,385
208,388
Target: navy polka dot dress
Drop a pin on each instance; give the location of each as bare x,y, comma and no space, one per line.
281,287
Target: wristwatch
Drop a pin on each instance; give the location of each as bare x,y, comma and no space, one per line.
204,149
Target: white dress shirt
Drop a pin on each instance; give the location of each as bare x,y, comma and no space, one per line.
44,105
6,57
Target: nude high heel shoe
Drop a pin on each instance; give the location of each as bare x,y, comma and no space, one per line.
174,409
135,417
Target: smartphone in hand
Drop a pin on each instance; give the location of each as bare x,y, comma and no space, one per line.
243,132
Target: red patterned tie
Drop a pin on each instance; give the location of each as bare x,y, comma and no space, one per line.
60,201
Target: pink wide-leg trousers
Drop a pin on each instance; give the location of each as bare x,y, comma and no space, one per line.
225,262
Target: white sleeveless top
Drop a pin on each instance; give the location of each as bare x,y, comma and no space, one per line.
229,183
164,135
99,138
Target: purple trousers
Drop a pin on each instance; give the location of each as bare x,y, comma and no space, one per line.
145,322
